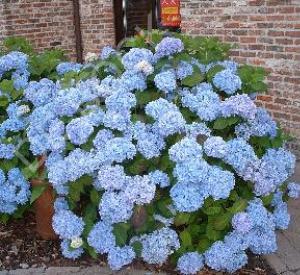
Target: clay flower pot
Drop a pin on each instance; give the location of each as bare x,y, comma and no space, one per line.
44,211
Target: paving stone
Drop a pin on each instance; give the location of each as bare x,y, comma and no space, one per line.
276,263
62,270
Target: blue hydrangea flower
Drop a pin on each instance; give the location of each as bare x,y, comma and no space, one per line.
190,263
133,80
227,81
102,137
166,81
136,55
230,65
120,256
187,197
68,252
222,257
203,101
79,130
61,204
67,225
66,67
184,69
115,207
111,178
197,129
101,237
158,245
294,190
219,183
117,120
241,156
241,222
56,135
168,46
13,191
140,190
239,105
281,216
7,151
191,171
106,52
119,149
41,92
215,147
185,150
160,178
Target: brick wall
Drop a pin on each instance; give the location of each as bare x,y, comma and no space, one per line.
46,23
267,33
49,23
97,24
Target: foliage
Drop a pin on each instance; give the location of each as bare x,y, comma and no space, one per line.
158,150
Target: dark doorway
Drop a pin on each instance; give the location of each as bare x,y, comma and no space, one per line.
132,15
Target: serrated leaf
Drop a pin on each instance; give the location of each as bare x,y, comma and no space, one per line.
238,206
222,222
121,233
203,244
222,123
182,218
186,239
194,79
213,210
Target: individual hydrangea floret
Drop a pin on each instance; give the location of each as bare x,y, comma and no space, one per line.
227,81
166,81
120,256
294,190
190,263
101,237
168,46
67,225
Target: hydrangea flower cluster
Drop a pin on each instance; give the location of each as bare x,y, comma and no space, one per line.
152,152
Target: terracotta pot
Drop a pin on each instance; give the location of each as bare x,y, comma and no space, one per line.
44,211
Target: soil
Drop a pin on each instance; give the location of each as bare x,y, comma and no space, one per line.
20,247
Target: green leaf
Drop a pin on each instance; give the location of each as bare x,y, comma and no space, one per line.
182,218
194,79
3,101
222,222
137,247
163,209
95,197
186,239
203,244
37,191
213,234
4,218
213,71
222,123
238,206
121,233
213,210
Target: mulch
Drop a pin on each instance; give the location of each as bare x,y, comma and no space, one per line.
20,247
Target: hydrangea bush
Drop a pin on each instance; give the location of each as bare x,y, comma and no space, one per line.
18,66
158,151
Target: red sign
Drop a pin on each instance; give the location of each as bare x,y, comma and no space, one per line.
170,13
